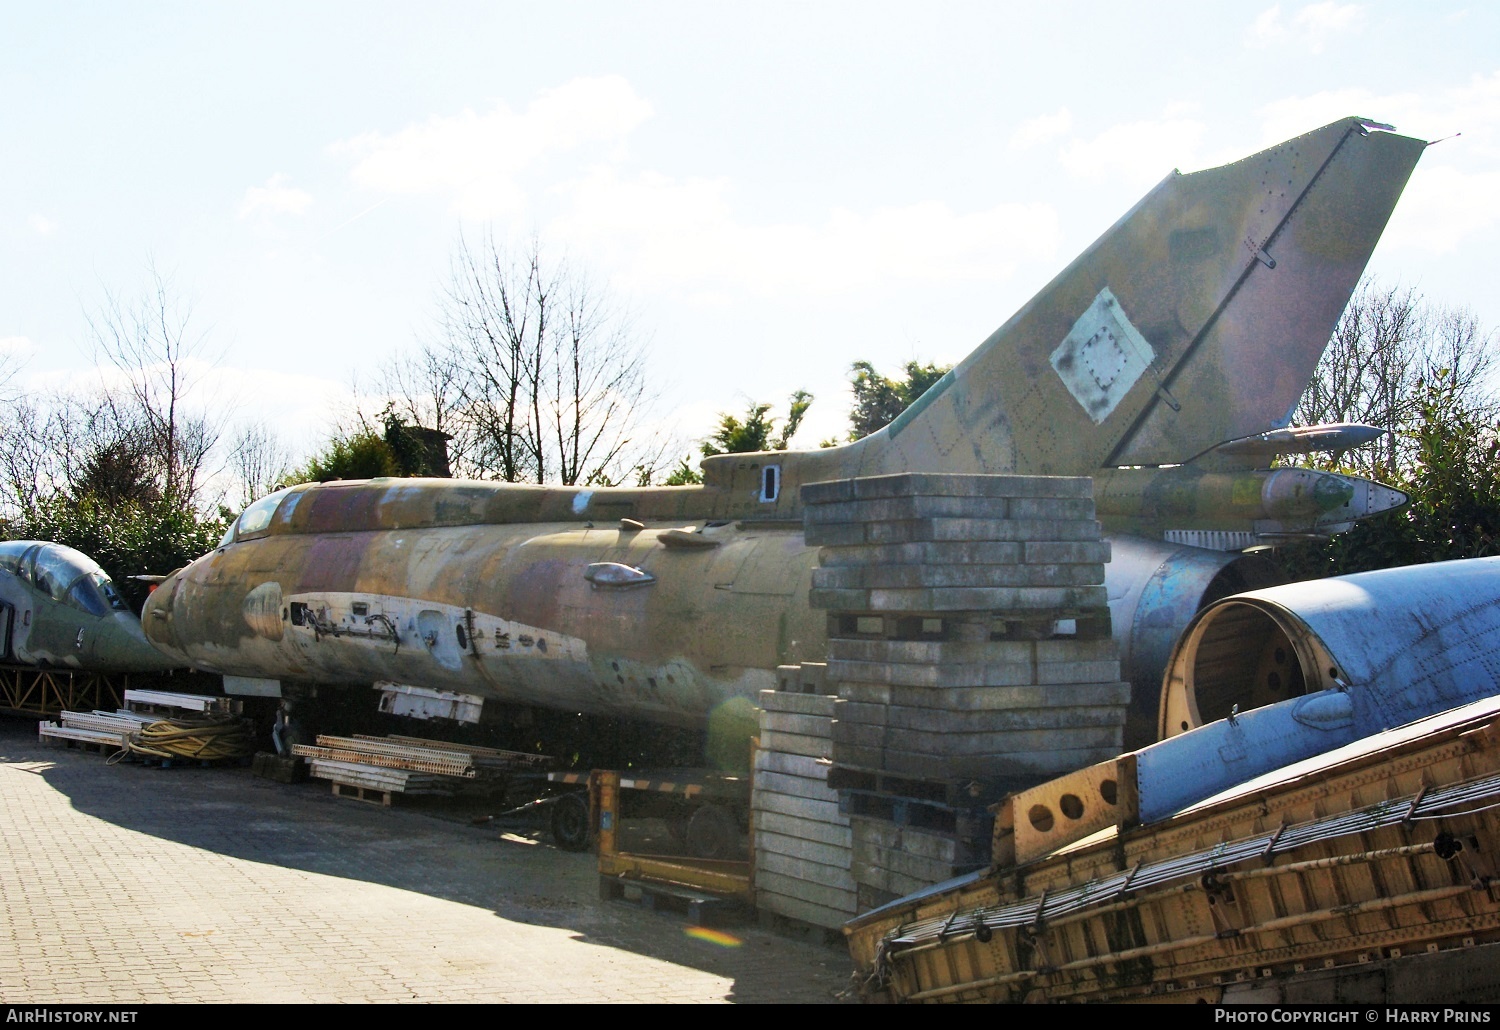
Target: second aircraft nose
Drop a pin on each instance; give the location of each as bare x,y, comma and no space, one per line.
156,620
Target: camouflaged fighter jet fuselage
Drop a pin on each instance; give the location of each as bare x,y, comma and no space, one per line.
1164,362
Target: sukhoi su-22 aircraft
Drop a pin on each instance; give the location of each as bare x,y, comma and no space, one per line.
1164,362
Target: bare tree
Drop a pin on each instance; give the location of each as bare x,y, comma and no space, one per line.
29,464
73,446
1390,350
150,342
421,387
598,377
534,373
494,313
261,461
110,453
10,364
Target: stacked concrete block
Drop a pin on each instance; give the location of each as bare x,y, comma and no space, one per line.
1029,711
802,839
969,627
970,649
891,860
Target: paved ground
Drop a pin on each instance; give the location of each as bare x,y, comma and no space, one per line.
130,884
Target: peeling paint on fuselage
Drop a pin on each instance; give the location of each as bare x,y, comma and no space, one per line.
505,613
1232,289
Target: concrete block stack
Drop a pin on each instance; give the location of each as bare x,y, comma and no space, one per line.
891,860
1021,712
970,649
802,839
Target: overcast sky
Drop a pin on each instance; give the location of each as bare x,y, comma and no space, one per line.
773,190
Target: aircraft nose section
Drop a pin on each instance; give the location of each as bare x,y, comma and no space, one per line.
1366,498
156,622
123,645
1384,498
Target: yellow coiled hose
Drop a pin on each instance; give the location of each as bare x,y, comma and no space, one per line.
171,738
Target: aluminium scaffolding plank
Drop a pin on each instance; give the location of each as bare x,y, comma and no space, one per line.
166,699
54,731
412,760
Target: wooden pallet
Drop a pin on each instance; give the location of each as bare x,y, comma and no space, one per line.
369,795
700,909
101,747
180,762
810,932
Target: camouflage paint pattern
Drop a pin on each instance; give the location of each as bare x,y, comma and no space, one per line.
59,610
1194,322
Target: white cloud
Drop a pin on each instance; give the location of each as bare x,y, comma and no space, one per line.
1454,193
42,225
651,229
1327,17
1472,109
193,375
1443,206
15,351
1292,116
665,230
274,198
1141,153
1267,26
292,403
478,157
302,410
1041,129
1309,28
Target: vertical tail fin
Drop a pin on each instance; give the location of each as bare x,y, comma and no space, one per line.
1198,318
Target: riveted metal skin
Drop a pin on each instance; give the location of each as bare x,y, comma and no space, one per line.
1363,873
1400,643
1195,321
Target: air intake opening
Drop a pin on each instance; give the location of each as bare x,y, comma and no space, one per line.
1240,655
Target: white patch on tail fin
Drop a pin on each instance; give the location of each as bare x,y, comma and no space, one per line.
1102,357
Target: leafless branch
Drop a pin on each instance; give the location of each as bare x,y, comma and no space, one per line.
1389,346
533,371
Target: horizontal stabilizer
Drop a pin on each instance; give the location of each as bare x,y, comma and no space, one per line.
1334,436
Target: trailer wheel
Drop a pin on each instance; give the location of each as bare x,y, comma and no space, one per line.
712,833
569,822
